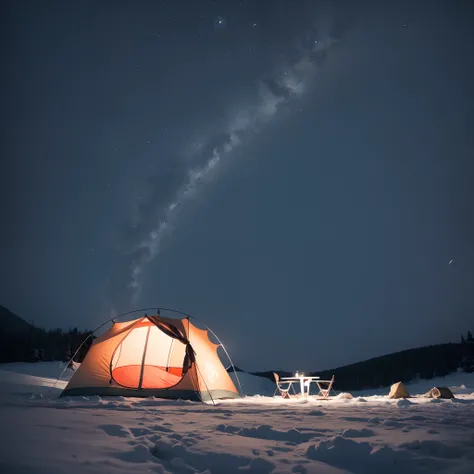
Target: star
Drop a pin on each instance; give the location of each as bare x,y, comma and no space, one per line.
219,22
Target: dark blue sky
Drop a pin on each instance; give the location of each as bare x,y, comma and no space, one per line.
297,175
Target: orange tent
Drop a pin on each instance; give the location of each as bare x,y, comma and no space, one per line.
153,356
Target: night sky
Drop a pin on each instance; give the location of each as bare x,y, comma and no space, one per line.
296,174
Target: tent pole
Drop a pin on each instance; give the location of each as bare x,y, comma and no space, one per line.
67,365
230,360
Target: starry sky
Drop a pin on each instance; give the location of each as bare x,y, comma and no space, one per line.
296,174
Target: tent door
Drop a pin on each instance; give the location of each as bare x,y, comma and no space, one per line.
148,358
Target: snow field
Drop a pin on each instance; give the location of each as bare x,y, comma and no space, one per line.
258,434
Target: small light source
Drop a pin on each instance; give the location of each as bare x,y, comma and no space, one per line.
296,375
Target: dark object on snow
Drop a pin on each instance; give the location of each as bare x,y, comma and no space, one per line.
439,392
73,365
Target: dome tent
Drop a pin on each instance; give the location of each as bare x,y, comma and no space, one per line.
398,390
153,356
439,392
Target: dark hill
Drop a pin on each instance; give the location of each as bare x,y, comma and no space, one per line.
424,362
10,323
23,342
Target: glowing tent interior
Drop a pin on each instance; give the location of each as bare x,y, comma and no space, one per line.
153,356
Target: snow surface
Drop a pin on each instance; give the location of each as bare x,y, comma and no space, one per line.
368,433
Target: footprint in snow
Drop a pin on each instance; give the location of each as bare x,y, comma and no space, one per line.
162,429
300,469
115,430
357,418
140,431
138,454
363,433
189,442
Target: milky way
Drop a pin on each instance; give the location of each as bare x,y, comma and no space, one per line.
172,187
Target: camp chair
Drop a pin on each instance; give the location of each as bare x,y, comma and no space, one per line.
325,387
285,392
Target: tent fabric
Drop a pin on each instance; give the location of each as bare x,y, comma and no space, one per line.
153,356
398,390
440,392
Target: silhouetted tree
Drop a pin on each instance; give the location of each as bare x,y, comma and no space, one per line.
34,344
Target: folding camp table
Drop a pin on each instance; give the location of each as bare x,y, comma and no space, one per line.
303,380
306,380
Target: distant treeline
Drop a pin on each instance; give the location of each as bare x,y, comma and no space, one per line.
424,362
36,345
24,342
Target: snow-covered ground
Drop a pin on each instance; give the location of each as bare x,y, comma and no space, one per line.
366,434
